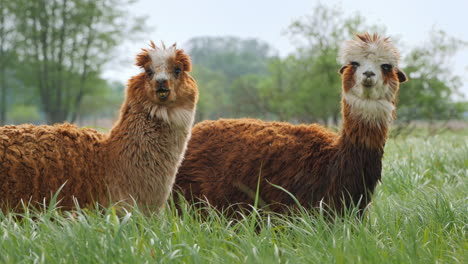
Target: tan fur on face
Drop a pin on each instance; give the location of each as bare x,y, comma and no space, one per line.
137,160
367,53
163,62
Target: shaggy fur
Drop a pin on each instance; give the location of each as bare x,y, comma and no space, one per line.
138,159
226,158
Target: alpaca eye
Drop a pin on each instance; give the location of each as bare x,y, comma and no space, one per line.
355,64
386,67
177,71
149,72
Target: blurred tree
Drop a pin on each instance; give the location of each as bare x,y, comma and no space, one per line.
242,77
315,83
430,93
248,101
214,100
462,110
65,43
276,90
20,114
106,100
8,42
220,66
231,55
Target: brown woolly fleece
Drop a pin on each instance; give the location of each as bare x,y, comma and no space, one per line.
137,160
226,158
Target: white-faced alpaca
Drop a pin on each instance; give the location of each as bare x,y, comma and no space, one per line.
137,160
225,158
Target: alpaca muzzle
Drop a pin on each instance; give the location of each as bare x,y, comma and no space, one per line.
368,82
163,93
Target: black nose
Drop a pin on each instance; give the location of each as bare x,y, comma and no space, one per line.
161,83
369,74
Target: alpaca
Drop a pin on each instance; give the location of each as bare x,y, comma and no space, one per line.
136,161
227,159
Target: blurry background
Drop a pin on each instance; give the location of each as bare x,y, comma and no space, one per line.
68,60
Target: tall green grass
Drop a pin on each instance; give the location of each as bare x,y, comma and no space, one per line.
419,215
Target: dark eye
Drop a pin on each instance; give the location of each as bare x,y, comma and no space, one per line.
386,67
149,72
355,64
177,71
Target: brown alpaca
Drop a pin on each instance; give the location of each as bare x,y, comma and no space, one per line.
137,160
225,158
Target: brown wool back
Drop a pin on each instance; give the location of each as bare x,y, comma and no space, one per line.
225,159
36,161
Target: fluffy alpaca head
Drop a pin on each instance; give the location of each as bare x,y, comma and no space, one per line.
165,88
371,77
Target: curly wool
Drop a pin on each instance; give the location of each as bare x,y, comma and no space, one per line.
35,161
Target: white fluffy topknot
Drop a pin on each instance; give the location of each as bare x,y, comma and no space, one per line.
366,46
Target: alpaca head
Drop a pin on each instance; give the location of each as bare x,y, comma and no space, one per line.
371,76
165,82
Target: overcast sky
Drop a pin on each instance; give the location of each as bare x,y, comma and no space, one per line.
180,20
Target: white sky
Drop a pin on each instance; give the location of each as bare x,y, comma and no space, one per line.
180,20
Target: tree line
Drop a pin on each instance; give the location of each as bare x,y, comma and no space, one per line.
239,77
52,54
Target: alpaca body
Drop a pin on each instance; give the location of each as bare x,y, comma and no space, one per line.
226,159
36,161
306,160
138,159
221,167
138,163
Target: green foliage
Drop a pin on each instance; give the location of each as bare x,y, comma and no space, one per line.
432,87
64,44
246,91
232,56
221,68
213,101
418,215
20,114
240,78
104,98
8,42
52,53
314,81
462,108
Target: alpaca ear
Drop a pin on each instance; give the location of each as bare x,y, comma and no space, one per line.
342,69
184,59
401,76
142,58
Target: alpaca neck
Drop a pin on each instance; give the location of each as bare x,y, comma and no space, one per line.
144,150
139,124
366,122
357,165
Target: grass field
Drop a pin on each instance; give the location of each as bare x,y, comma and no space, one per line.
419,215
